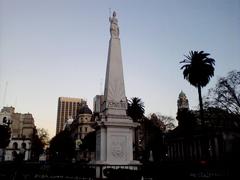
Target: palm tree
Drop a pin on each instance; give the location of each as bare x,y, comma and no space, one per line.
198,68
136,109
136,112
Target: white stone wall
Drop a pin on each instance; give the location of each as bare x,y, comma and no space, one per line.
9,150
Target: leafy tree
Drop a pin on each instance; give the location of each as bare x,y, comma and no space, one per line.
62,146
89,142
5,134
187,121
154,138
37,146
198,68
226,94
157,122
43,135
166,123
136,112
221,118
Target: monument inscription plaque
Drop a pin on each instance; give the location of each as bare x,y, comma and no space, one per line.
119,146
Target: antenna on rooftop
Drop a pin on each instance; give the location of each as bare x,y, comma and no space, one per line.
5,93
15,102
85,99
110,12
101,87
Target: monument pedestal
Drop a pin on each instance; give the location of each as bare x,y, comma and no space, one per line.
114,145
114,142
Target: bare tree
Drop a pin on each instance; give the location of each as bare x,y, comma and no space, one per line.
165,123
226,94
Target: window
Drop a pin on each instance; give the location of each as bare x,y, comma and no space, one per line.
24,145
15,145
4,120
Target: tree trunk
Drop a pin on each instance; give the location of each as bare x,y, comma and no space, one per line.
201,105
136,143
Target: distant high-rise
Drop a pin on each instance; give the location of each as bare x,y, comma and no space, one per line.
97,103
67,108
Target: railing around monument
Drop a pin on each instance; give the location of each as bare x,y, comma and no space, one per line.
60,170
82,171
107,170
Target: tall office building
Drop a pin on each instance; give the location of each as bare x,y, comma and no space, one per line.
67,109
97,103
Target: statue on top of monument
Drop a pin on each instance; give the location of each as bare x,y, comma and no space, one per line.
114,29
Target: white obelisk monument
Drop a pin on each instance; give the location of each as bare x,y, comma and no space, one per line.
114,133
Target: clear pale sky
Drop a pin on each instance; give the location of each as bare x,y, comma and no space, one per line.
53,48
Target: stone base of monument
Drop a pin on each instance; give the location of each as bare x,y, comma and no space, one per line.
114,148
114,142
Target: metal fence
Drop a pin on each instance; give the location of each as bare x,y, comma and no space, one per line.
80,171
53,170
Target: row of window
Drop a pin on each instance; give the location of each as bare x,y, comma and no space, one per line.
81,129
15,145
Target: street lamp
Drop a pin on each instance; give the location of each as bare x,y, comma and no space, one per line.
6,121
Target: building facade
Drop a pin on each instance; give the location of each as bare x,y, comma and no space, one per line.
217,141
67,109
22,128
80,127
98,101
82,124
18,146
22,125
182,102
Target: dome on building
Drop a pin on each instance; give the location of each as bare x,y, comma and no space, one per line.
85,110
182,95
